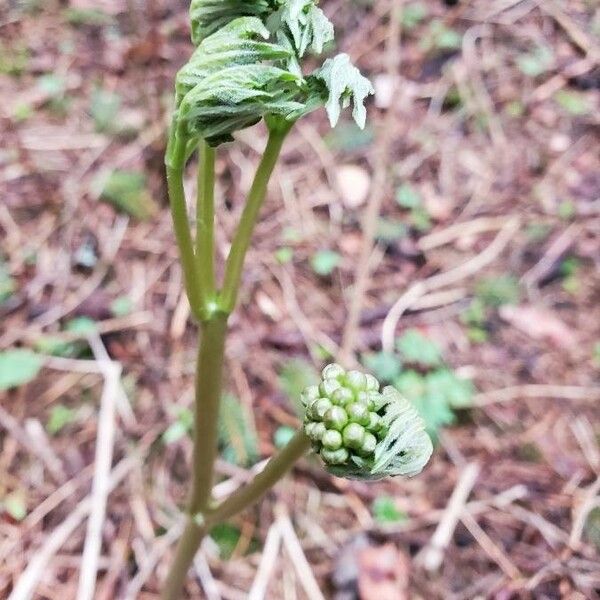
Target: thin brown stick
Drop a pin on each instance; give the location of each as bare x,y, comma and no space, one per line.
100,484
467,269
267,564
294,548
432,555
490,547
566,392
37,565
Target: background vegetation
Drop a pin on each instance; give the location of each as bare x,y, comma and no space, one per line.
452,248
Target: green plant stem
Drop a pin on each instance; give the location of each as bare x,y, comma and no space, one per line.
175,165
244,497
205,217
188,545
243,235
209,378
250,493
199,268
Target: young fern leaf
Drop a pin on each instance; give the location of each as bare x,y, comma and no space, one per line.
227,84
344,84
208,16
304,24
240,42
235,98
239,75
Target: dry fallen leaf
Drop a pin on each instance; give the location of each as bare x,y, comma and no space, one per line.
539,323
354,183
384,573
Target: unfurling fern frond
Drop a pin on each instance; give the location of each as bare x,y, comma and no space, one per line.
246,68
208,16
236,98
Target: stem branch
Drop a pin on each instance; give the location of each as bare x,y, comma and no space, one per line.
205,217
175,165
275,469
256,196
245,496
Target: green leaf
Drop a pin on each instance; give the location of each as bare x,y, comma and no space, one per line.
420,219
345,85
436,396
82,326
441,37
435,412
53,85
238,97
284,254
567,210
242,41
592,527
413,14
324,262
7,283
411,385
104,108
416,348
60,417
13,58
86,16
207,16
226,536
121,306
237,432
283,435
596,354
126,190
385,511
498,290
181,427
389,230
18,367
536,62
384,365
515,109
475,314
477,335
408,197
231,82
575,103
457,392
433,408
15,505
295,376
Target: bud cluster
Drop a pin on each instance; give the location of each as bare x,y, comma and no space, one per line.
361,432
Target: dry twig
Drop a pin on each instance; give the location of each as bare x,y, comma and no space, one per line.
432,555
267,564
100,485
435,282
292,545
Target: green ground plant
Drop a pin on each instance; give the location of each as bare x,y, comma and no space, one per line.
248,67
